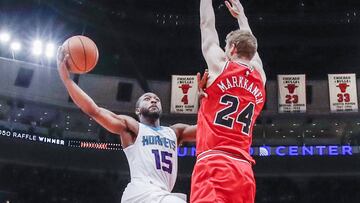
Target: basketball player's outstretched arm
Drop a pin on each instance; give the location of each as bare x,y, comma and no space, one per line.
184,132
237,11
117,124
214,56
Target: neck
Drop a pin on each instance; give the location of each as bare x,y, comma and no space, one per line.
150,122
241,60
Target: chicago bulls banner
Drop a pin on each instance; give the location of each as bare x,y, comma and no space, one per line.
184,94
343,94
291,93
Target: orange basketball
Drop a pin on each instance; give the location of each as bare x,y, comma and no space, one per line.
83,54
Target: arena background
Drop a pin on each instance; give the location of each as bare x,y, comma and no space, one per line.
51,152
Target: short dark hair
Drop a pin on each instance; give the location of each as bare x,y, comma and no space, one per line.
139,99
138,102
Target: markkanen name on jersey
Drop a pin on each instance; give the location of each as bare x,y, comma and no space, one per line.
240,82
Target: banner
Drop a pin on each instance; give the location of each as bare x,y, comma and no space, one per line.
343,93
184,94
291,93
280,151
30,137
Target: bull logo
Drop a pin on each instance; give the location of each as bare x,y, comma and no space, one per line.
185,89
291,88
342,87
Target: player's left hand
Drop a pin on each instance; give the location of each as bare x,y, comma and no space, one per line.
202,81
62,58
235,7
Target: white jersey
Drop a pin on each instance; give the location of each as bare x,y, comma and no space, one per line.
152,160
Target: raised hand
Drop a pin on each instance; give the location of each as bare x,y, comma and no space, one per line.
61,64
202,81
235,7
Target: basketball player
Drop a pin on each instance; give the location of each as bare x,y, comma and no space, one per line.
236,95
151,149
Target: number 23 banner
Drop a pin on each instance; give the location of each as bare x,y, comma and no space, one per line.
343,94
292,93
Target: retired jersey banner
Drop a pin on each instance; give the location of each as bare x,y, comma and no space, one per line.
292,93
184,94
343,94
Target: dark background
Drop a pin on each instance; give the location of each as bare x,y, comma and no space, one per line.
153,39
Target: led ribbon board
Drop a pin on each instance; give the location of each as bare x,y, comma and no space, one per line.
315,150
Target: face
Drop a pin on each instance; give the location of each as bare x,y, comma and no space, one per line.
149,106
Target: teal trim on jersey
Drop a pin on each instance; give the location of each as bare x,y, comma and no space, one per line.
154,128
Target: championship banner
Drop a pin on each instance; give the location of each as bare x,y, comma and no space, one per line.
184,94
291,93
343,93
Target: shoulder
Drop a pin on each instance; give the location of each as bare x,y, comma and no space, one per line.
215,73
259,68
177,127
128,119
131,123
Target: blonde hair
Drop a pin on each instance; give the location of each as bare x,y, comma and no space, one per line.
245,43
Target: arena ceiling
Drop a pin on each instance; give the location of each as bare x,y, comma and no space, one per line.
153,39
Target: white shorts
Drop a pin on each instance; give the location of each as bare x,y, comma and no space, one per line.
141,192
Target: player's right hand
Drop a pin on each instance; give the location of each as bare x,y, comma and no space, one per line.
202,81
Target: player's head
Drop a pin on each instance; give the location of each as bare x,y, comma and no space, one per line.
240,44
148,106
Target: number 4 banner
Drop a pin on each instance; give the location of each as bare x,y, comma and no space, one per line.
292,93
184,94
343,95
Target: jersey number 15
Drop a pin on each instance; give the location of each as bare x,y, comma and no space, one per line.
165,164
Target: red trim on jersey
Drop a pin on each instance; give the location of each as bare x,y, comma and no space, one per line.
210,153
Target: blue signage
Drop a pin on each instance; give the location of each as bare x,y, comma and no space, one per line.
317,150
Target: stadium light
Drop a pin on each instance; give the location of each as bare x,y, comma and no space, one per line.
50,50
4,37
37,47
15,46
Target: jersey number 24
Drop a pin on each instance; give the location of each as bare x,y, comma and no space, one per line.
223,118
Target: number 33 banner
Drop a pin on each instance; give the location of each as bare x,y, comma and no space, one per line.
343,95
292,93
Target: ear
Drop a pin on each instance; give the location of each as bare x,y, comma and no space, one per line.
233,50
137,111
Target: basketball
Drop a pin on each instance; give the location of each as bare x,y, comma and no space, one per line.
83,54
